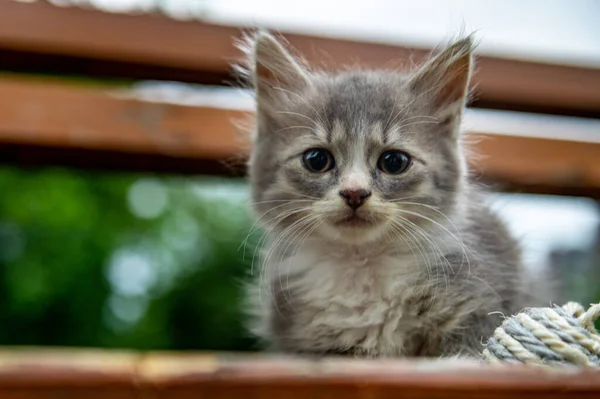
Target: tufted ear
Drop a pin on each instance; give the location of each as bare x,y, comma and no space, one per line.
274,66
443,81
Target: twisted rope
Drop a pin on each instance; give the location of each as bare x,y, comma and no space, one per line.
556,336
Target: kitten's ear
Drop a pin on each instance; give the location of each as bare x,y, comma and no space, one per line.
443,81
273,66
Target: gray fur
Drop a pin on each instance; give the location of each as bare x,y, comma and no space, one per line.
423,276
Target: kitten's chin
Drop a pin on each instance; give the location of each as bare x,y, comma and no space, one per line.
354,231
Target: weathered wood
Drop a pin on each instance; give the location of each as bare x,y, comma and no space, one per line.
90,42
84,124
538,165
60,373
36,373
57,115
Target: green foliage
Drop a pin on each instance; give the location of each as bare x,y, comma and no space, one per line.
129,261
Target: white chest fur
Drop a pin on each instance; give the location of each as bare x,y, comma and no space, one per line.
354,299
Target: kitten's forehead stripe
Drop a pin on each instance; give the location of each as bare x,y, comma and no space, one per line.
385,134
321,132
359,102
337,132
376,131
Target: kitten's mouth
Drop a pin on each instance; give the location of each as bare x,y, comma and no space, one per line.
353,220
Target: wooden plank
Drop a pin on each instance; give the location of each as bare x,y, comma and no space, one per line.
58,115
154,47
538,165
52,116
78,373
174,375
55,373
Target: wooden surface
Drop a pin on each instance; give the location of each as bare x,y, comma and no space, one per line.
92,43
88,124
54,114
61,373
46,123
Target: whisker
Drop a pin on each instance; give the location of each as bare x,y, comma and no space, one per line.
279,200
404,111
432,246
275,246
306,232
465,249
305,101
286,203
270,228
313,130
421,116
430,241
429,220
298,114
299,195
428,265
403,232
416,123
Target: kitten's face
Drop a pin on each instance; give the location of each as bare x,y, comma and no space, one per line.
356,156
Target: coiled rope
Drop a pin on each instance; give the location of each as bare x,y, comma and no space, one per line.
557,336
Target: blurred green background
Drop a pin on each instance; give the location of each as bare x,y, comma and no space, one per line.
122,260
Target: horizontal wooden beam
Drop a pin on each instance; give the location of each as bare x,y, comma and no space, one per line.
45,123
58,115
113,130
88,42
51,373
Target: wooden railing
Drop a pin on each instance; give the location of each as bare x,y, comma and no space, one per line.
68,374
155,47
46,123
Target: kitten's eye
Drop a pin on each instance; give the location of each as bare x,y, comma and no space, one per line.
318,160
394,162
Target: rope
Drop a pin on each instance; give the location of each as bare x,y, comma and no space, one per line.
548,337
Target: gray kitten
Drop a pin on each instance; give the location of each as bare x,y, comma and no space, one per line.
377,243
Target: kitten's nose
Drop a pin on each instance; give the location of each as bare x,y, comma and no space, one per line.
355,198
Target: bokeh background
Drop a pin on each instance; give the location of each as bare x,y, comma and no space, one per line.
158,261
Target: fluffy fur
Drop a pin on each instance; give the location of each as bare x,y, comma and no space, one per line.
428,263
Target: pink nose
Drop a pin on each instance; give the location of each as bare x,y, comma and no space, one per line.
355,198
